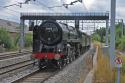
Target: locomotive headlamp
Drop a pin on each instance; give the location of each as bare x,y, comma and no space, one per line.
57,56
59,50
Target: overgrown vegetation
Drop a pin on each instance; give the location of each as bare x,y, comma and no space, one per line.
28,40
5,39
103,72
99,35
9,42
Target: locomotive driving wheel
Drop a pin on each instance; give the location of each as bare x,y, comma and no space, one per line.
59,63
73,54
41,64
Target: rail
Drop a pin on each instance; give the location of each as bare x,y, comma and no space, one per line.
13,54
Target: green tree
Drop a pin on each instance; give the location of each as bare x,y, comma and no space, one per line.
121,44
99,34
96,37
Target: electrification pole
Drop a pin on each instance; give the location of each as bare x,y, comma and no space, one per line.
112,33
122,25
107,30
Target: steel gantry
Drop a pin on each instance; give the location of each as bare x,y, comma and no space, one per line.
76,17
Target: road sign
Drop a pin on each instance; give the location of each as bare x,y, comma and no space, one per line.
118,62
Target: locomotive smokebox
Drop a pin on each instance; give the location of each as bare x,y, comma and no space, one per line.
50,33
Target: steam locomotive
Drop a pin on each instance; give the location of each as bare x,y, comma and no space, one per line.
58,44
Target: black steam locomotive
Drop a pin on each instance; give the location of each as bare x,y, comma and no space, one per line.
58,44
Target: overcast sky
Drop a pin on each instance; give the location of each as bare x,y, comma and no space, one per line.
13,13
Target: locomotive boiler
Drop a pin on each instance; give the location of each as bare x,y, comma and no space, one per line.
58,44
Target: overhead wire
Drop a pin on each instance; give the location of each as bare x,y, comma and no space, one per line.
10,9
15,4
55,6
43,5
9,13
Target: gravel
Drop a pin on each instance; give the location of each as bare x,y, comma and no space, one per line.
15,60
19,75
74,72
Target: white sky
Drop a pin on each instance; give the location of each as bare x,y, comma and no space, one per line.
86,6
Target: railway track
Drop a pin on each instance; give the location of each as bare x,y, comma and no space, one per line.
9,71
14,64
13,54
38,76
25,72
16,73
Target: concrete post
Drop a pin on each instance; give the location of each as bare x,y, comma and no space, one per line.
122,26
112,32
77,24
107,27
94,26
21,41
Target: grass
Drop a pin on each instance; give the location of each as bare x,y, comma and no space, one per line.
103,72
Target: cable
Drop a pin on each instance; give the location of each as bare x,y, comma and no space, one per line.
9,12
85,6
16,4
72,3
55,6
10,9
19,3
43,5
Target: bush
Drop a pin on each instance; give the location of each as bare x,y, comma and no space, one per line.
96,37
28,40
121,45
117,43
6,39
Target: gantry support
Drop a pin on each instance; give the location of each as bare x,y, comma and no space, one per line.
122,26
107,29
